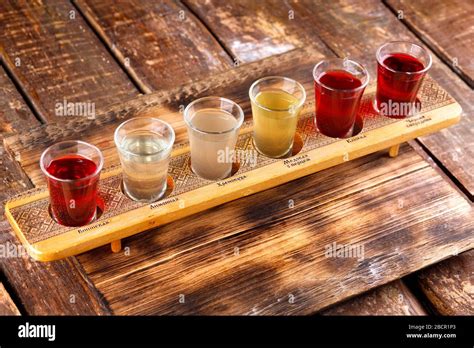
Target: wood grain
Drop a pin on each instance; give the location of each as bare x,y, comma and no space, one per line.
448,285
446,26
391,299
267,251
7,306
161,44
253,30
14,113
43,289
55,57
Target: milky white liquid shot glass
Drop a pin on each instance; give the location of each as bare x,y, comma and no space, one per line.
213,125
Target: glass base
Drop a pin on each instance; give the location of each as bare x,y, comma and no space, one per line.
285,155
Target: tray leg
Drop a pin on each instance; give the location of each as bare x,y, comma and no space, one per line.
116,245
393,151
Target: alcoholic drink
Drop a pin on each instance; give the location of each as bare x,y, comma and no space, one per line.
72,169
276,104
339,85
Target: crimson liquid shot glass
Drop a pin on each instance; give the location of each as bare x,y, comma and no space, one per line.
72,169
401,67
339,85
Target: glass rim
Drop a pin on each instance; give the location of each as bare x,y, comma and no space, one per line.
364,70
188,122
427,67
300,86
96,172
166,124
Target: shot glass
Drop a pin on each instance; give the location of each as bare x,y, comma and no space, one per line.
213,125
72,169
144,145
339,85
276,103
401,67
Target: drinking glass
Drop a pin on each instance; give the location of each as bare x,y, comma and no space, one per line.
213,125
276,103
144,145
401,67
339,85
72,169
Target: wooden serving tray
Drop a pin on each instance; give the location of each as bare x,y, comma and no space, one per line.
46,240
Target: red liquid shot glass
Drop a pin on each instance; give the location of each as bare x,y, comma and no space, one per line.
401,67
72,169
339,85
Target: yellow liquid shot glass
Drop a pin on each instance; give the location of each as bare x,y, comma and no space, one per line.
276,104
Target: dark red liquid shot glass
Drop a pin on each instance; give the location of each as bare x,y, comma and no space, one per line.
72,169
401,67
339,85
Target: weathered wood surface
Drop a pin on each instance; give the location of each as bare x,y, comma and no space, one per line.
142,252
446,26
449,285
267,251
253,30
391,299
199,246
55,56
348,28
161,44
54,288
7,306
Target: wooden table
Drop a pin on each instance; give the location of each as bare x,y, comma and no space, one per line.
254,255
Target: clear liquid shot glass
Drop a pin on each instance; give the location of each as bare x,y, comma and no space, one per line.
144,145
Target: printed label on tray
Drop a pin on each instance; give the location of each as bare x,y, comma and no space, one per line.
356,138
93,227
297,161
163,202
417,120
231,180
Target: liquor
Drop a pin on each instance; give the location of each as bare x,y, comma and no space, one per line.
339,85
401,67
207,147
144,146
72,169
213,126
276,104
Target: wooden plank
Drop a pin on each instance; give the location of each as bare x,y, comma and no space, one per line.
55,57
14,114
253,30
43,289
7,306
446,26
274,247
391,299
161,44
448,285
